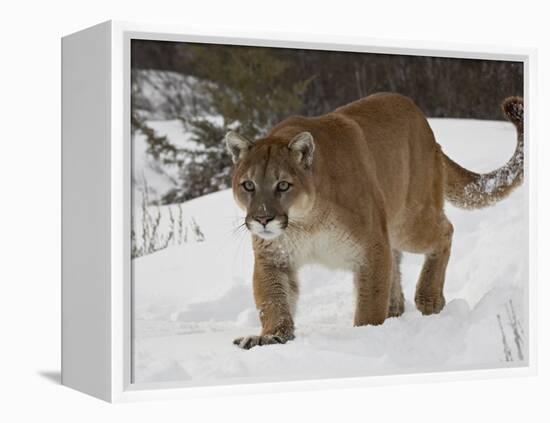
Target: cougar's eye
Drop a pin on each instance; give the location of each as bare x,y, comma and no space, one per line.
248,186
283,186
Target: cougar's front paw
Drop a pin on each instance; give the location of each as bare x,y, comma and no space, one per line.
247,342
429,304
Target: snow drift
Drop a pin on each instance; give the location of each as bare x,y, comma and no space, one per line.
192,299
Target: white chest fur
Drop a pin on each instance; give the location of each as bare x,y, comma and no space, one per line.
328,246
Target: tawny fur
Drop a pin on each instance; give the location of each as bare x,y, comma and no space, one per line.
367,181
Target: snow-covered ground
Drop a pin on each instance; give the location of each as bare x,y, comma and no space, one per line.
193,299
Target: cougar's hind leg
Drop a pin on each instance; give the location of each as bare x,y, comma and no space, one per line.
397,300
373,285
429,296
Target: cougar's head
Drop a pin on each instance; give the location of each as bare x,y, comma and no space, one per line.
272,181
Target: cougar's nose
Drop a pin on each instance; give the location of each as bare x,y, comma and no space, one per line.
264,220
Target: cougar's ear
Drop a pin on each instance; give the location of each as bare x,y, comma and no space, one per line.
302,145
237,145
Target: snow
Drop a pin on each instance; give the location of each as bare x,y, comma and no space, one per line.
159,179
193,299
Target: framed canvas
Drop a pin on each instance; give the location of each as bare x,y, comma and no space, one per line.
264,212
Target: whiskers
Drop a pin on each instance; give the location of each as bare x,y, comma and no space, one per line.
234,228
296,225
234,241
240,229
296,232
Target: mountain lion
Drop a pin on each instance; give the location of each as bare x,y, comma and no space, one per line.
352,189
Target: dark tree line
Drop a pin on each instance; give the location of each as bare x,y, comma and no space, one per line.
442,87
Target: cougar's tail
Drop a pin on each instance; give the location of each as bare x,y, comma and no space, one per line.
470,190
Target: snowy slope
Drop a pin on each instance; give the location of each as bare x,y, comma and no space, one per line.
191,300
160,179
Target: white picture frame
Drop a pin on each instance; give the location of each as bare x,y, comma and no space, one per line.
96,265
